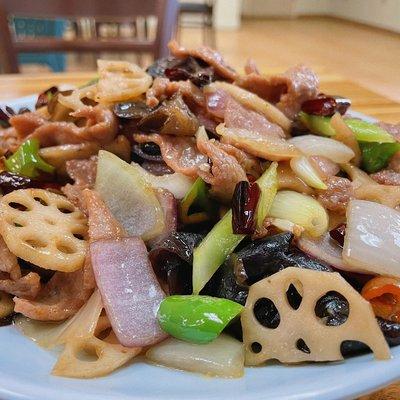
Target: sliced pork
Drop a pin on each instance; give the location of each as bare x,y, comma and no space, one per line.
101,126
178,152
224,172
83,173
338,194
288,90
209,56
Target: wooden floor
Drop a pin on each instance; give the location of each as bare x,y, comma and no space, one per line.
368,56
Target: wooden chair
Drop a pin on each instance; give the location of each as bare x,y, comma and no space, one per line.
165,11
204,10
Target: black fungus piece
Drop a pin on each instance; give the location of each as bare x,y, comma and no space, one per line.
5,321
268,256
224,284
5,114
391,331
159,66
10,181
45,274
132,110
259,258
333,308
147,151
45,97
182,69
173,116
296,258
172,261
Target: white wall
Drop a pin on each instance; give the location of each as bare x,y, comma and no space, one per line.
380,13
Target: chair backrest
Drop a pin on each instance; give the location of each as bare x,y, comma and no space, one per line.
165,11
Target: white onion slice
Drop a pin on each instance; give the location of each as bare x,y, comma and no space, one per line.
302,210
312,145
222,357
176,183
130,198
323,249
302,167
372,240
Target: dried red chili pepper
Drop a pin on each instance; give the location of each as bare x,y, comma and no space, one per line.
244,205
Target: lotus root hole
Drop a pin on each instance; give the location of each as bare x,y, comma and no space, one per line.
266,313
332,309
301,345
294,294
18,206
79,236
65,208
67,248
256,347
35,243
353,347
87,353
14,223
41,201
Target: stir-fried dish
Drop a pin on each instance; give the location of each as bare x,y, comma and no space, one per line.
201,217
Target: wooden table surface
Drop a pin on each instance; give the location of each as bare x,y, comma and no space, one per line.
363,100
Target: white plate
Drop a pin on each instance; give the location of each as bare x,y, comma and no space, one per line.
25,375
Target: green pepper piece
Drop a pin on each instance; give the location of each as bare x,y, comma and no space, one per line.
196,319
220,242
197,197
363,131
376,156
367,132
317,124
26,160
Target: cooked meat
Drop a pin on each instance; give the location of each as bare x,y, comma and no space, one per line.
387,177
251,67
237,116
26,123
26,287
8,262
102,224
209,56
61,297
179,153
324,166
163,88
395,162
101,126
9,140
250,164
224,172
339,193
288,90
83,172
393,129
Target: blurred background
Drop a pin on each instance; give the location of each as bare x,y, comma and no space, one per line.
357,39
